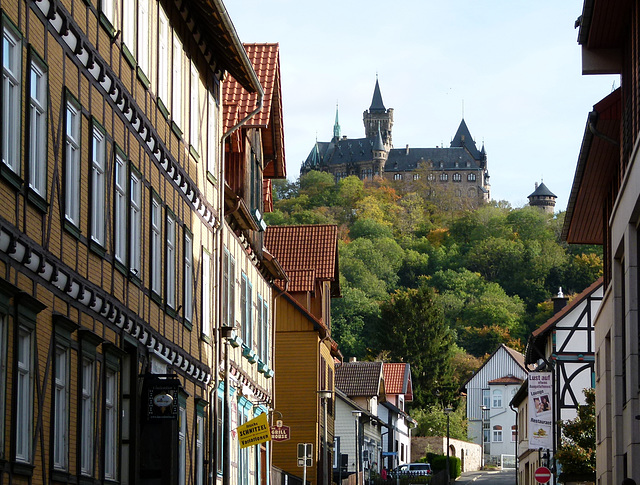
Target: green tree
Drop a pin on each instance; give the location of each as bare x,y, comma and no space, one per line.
577,452
432,421
412,329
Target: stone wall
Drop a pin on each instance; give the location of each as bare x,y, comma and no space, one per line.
470,454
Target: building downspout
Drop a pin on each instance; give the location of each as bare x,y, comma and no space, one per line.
218,235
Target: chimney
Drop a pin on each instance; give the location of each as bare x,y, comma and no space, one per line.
559,301
353,359
407,152
536,188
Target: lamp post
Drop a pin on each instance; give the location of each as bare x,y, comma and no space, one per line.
357,414
483,409
447,411
324,397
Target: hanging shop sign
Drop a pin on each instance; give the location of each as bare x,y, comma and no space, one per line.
279,432
162,398
254,432
540,410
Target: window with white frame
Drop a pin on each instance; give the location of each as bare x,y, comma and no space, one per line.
38,126
144,46
156,246
176,78
264,355
170,268
163,54
24,396
199,449
243,453
86,417
61,409
135,223
497,398
486,398
111,10
111,424
129,21
497,433
120,209
11,96
514,433
98,167
194,108
212,136
229,288
246,303
206,293
182,445
73,120
188,277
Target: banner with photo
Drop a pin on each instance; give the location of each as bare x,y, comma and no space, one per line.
540,410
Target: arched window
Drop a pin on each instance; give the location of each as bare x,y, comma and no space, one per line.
471,177
471,193
416,176
397,176
497,399
431,177
444,177
456,177
497,433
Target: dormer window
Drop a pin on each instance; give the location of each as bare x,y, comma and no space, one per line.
401,403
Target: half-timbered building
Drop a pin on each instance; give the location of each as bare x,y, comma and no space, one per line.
110,230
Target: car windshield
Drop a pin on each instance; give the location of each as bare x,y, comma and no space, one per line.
420,467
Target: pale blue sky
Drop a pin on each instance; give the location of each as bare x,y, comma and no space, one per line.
514,64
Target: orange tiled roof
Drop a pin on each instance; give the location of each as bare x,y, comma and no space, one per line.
300,249
238,102
395,374
506,380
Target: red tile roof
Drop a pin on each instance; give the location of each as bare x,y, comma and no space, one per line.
397,379
238,102
507,380
304,249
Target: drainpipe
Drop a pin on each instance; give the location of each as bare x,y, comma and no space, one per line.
226,425
517,439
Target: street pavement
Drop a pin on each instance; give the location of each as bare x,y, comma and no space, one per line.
488,477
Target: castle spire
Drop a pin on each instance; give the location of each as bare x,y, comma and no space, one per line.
377,105
336,126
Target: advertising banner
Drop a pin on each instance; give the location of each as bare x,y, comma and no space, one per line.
254,432
540,410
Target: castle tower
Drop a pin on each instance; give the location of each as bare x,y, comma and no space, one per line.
377,117
542,197
380,154
336,126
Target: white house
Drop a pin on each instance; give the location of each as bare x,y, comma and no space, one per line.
489,392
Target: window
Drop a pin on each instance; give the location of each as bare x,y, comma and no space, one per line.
200,442
129,25
206,293
98,165
3,366
37,127
156,246
86,417
163,55
212,137
486,398
243,453
444,177
397,176
259,332
246,303
456,177
24,396
120,203
188,277
111,9
229,288
497,434
176,71
497,398
416,176
471,177
170,269
143,36
219,432
182,445
61,409
194,109
263,328
11,96
72,163
514,433
431,177
111,424
135,222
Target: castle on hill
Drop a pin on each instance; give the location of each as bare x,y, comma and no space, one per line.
460,169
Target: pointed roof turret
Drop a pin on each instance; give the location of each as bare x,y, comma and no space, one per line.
378,144
463,139
336,126
376,103
542,191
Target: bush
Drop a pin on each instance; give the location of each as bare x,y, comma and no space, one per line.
439,462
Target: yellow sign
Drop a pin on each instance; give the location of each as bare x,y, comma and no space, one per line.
254,432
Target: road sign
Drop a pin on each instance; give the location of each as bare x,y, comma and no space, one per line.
542,475
305,454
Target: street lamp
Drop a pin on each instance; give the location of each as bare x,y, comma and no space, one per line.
483,408
357,414
447,411
324,397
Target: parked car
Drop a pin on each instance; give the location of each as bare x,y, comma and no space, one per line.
411,470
